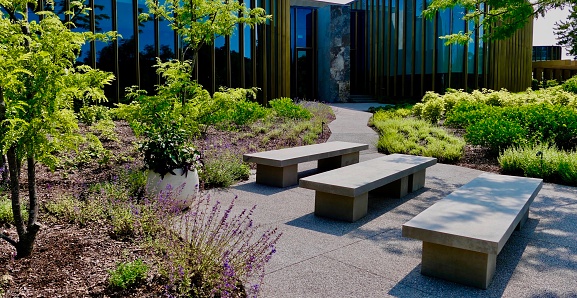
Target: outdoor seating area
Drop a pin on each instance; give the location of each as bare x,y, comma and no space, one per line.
343,193
280,167
381,254
464,232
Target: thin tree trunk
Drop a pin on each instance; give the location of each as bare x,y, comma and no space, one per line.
3,161
33,209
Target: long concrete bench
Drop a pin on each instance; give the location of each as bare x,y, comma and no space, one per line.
463,233
343,193
280,167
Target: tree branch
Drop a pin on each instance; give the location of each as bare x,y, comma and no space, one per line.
8,239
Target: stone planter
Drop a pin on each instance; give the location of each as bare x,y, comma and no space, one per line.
181,187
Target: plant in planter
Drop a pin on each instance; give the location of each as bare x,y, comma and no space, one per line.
172,163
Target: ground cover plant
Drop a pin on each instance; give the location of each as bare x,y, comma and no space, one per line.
509,127
400,133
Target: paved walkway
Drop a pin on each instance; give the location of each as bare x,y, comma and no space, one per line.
318,257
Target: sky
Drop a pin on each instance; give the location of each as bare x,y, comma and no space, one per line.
543,29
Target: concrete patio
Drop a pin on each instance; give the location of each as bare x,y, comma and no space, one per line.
318,257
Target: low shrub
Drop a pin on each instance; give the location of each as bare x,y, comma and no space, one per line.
570,85
127,275
223,169
285,107
245,112
495,133
105,130
541,161
417,137
217,253
93,113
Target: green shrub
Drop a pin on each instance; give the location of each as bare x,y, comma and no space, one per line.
6,215
551,83
105,130
465,113
91,114
417,137
570,85
223,169
390,111
285,107
541,161
70,209
128,274
245,112
495,133
93,152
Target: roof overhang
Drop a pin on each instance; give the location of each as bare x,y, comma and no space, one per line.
318,3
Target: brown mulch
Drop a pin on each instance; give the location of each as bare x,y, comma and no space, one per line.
74,261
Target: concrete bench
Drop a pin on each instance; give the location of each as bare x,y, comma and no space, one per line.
280,167
463,233
343,193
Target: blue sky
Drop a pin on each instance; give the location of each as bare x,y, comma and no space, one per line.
543,29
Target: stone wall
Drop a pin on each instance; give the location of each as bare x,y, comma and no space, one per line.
334,62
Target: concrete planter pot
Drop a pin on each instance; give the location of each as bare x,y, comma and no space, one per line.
182,187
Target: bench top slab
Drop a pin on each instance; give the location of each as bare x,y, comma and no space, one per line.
363,177
290,156
479,216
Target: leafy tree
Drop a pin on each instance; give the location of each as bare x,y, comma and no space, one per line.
567,31
38,83
197,22
500,20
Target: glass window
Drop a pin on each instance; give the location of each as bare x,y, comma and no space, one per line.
409,40
471,48
126,45
304,27
401,36
247,45
458,51
481,33
166,40
430,40
393,46
418,36
147,51
443,25
235,58
220,62
103,23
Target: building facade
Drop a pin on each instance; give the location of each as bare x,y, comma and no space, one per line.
546,53
383,49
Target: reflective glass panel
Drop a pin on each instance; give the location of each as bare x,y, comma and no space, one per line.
458,51
418,36
126,45
147,51
247,45
235,58
430,40
220,62
409,40
304,27
166,40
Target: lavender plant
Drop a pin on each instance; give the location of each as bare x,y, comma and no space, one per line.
215,253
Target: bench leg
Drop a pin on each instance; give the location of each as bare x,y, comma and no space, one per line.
417,180
277,176
522,221
340,207
331,163
395,189
458,265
